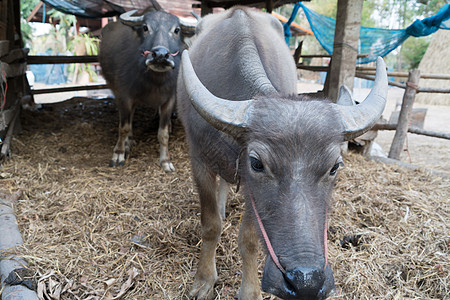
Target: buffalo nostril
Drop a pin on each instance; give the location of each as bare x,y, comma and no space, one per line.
306,280
160,53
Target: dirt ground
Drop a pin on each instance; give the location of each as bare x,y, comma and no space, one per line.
94,232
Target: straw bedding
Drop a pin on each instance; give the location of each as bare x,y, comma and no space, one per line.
94,232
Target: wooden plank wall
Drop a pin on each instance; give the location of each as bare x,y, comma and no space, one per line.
180,8
13,66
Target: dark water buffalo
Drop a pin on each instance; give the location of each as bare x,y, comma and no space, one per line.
140,58
245,124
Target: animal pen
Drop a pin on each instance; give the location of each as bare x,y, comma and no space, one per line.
92,232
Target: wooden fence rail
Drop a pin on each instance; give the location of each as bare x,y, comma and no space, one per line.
70,89
403,86
40,60
411,89
415,130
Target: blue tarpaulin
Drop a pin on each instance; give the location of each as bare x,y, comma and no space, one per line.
97,8
375,42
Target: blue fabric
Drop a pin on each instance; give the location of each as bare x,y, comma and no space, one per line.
86,8
287,25
375,42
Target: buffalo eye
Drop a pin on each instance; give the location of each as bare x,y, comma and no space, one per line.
177,30
145,28
256,164
334,169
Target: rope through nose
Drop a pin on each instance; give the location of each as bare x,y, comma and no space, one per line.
146,53
266,238
269,244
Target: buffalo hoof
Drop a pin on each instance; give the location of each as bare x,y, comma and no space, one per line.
250,295
167,166
202,290
118,160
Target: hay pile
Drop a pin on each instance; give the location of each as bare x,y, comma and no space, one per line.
436,63
93,232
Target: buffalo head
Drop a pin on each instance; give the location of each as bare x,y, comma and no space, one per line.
161,35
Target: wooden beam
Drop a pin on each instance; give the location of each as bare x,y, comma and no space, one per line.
433,90
406,74
13,70
15,55
415,130
314,68
6,117
298,52
70,89
345,47
393,83
34,11
269,6
368,77
206,9
4,48
329,56
39,60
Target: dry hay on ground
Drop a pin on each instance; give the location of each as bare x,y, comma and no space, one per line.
93,232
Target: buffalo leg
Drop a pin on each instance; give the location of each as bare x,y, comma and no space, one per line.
123,145
206,275
248,247
165,112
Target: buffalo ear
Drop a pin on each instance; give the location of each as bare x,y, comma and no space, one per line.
187,33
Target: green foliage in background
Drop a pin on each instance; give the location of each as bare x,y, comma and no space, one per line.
413,50
26,6
62,39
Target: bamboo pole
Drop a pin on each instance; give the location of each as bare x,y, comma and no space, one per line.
39,60
369,77
70,89
403,86
405,114
405,74
415,130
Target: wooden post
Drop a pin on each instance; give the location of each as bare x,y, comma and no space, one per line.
405,114
345,48
205,8
298,52
269,6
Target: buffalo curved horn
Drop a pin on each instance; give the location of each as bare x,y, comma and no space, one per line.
229,116
128,19
357,119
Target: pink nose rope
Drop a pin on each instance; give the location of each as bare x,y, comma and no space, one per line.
266,238
269,244
146,53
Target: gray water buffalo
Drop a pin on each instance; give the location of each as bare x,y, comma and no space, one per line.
140,58
246,125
